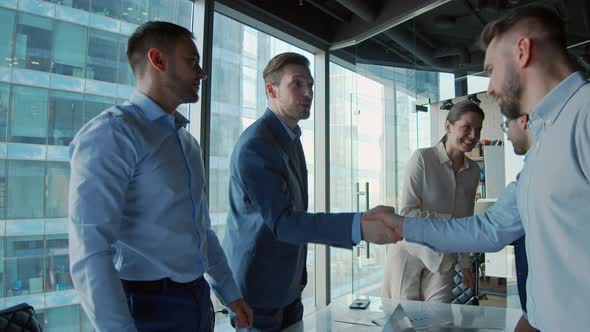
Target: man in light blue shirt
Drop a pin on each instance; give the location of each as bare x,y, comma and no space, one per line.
140,234
530,72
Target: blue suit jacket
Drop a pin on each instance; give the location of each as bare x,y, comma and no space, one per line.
267,225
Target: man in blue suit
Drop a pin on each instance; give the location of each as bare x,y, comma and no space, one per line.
268,226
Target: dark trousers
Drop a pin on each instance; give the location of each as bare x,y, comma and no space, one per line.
276,319
172,309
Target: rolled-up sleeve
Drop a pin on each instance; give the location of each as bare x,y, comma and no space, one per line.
102,160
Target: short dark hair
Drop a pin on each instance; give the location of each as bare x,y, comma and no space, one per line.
548,19
153,34
273,71
460,108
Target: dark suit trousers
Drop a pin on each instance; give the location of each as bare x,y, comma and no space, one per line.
277,319
173,309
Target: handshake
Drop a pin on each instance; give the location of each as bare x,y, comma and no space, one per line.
381,225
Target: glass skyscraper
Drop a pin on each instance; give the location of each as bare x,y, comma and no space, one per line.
61,63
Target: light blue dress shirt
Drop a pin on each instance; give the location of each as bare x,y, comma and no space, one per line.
552,198
356,221
138,211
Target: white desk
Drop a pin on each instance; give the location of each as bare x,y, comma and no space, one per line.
424,316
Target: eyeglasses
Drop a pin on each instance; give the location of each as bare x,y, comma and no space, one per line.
504,125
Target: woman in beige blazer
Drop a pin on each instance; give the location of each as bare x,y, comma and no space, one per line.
440,182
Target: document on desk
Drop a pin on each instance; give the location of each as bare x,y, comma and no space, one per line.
359,320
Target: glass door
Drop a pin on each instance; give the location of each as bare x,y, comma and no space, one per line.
368,151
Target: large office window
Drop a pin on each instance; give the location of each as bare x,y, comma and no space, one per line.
24,265
135,11
110,8
26,189
56,194
184,13
240,54
70,45
3,195
95,104
65,117
28,118
7,25
57,262
33,42
78,4
103,52
357,154
125,74
4,104
163,10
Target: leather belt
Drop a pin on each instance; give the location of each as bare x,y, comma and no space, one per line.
156,286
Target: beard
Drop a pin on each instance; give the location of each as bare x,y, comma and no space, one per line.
182,88
510,106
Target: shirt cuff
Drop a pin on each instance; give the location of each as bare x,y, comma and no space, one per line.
414,229
227,291
356,228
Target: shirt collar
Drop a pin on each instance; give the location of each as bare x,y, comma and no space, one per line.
551,105
443,157
154,112
293,134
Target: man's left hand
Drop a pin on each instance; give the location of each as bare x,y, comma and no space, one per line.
244,317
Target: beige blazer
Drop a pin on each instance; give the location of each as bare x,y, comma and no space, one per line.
432,190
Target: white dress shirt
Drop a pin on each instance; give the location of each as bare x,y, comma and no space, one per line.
432,190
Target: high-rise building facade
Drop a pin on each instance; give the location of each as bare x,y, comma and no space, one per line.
61,63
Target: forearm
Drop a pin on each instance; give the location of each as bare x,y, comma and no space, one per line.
99,289
218,273
471,234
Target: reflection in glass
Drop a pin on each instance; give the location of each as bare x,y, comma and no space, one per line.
70,43
7,25
33,42
58,181
102,56
28,119
65,117
26,188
